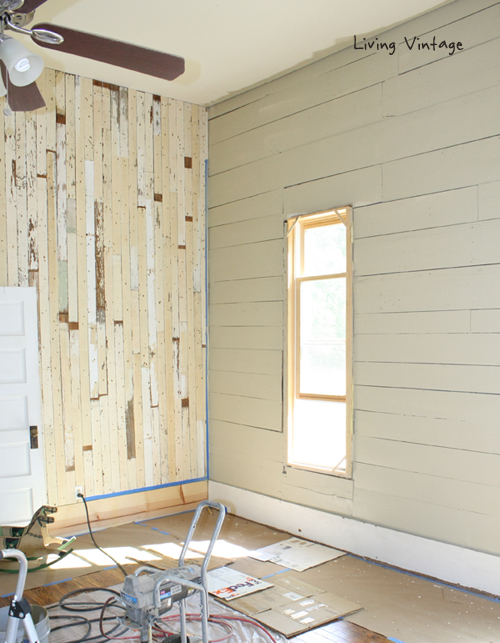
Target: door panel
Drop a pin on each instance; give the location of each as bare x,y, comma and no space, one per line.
22,475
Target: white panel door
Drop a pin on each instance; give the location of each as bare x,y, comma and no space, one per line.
22,474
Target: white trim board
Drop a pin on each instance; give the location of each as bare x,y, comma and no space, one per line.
449,563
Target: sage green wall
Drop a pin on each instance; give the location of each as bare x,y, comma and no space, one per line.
411,141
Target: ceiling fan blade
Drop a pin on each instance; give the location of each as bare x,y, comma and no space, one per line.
22,99
122,54
30,5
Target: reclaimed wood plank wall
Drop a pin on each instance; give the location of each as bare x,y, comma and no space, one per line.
102,208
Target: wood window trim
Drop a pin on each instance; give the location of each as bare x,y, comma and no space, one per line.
297,352
335,215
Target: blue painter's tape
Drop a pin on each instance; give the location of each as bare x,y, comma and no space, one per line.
282,571
105,569
56,582
492,599
179,513
7,595
131,491
395,640
207,445
160,531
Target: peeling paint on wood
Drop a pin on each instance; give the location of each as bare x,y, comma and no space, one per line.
93,213
130,424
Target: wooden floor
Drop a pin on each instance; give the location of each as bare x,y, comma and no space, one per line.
336,632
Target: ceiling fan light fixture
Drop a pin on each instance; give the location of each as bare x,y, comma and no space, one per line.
23,66
3,89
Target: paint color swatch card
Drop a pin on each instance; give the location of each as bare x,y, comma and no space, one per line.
228,584
297,554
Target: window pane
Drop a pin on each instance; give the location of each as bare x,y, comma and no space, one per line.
319,436
322,337
325,250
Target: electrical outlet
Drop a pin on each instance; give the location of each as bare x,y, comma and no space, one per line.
77,491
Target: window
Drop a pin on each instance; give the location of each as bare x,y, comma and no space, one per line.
319,342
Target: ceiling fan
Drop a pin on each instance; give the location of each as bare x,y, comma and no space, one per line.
20,68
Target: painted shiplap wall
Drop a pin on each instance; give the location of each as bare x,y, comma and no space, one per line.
102,208
411,141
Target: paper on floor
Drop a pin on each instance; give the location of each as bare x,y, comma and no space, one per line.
229,584
296,554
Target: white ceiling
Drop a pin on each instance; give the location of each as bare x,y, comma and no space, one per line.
228,45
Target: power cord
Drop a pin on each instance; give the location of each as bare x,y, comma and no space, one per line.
120,567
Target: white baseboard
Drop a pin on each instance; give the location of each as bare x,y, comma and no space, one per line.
449,563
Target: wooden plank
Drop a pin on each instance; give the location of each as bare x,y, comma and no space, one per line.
448,247
263,259
262,205
108,405
453,289
489,200
11,207
328,118
169,427
479,27
358,188
295,96
105,446
41,125
475,349
250,411
438,377
266,313
75,401
456,433
464,407
485,321
119,444
21,201
61,176
124,122
83,326
458,494
91,278
71,199
141,152
242,337
138,403
453,76
45,342
55,356
250,231
246,361
97,468
456,167
434,322
160,363
100,296
50,99
417,213
147,429
264,289
151,329
417,133
424,519
70,115
31,189
467,466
